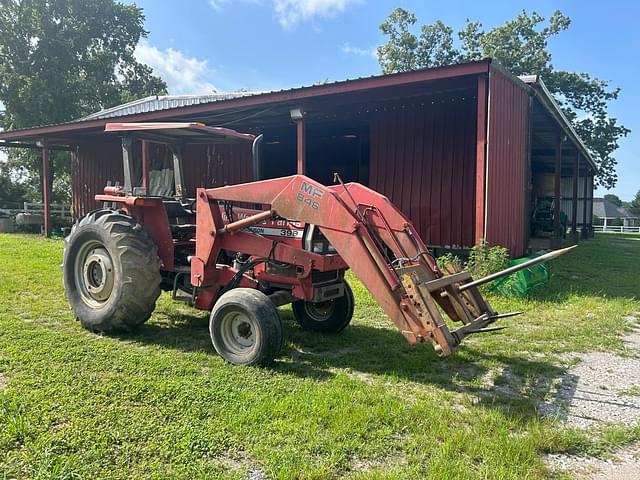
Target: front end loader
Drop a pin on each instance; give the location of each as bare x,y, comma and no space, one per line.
243,250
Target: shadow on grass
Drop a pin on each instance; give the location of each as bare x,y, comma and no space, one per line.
188,333
512,384
515,385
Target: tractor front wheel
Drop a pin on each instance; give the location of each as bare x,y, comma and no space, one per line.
330,316
111,272
245,327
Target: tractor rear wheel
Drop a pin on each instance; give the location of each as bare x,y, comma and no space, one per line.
331,316
111,272
245,327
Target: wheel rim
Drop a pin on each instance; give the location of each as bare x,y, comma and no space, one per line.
94,274
238,332
320,311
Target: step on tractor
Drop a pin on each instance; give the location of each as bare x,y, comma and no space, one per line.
241,251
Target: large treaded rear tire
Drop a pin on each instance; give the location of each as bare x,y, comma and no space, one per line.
111,272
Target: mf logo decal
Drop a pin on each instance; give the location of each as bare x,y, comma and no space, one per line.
310,195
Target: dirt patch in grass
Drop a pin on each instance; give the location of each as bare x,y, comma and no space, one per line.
240,463
388,462
599,389
4,382
596,389
623,464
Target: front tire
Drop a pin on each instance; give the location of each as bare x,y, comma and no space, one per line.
331,316
111,272
245,327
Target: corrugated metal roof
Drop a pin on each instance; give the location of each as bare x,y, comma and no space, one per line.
342,86
156,103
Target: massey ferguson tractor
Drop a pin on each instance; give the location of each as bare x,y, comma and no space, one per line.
241,251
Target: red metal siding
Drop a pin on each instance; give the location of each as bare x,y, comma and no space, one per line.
507,171
93,165
423,158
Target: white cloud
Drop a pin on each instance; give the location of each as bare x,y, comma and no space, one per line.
363,52
183,74
217,4
290,13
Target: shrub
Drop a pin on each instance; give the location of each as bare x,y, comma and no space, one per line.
482,261
449,259
485,260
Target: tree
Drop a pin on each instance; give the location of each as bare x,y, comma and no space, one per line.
520,45
613,199
63,59
12,192
634,207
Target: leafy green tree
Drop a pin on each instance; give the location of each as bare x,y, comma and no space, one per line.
634,206
62,59
613,199
521,46
12,191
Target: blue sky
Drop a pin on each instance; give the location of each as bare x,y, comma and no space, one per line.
199,45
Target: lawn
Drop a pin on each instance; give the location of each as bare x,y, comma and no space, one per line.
158,403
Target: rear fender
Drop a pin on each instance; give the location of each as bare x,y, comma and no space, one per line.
152,215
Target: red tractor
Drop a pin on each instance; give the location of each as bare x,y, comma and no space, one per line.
241,251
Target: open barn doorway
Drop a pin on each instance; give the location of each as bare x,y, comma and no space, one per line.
341,147
338,147
278,151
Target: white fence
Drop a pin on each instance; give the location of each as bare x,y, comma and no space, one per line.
618,229
57,209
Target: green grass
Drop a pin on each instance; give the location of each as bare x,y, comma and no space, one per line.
633,391
159,403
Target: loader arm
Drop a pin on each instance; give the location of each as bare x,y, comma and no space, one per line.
374,239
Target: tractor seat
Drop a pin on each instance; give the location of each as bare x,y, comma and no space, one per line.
178,209
182,220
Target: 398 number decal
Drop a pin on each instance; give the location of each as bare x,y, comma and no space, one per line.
287,233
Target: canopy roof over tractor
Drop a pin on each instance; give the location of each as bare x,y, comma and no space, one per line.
189,132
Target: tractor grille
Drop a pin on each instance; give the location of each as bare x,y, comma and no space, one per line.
323,277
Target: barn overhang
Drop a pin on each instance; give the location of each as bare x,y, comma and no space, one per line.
267,106
352,102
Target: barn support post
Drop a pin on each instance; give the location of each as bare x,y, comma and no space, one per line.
584,233
556,238
145,166
574,200
528,177
46,189
301,146
481,143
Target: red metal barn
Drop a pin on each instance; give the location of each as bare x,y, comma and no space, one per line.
465,150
